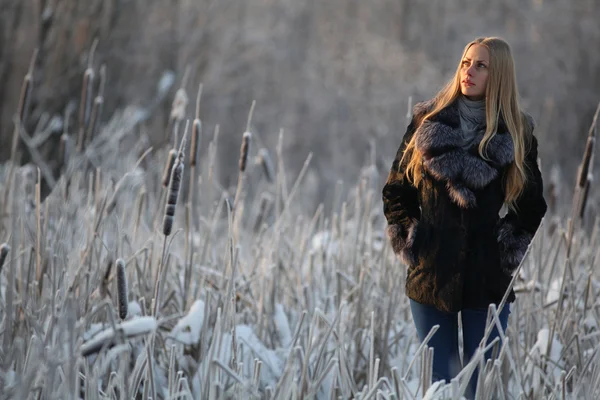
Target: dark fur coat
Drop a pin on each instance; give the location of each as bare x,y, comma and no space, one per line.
459,252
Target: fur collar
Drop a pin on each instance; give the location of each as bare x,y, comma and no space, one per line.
440,141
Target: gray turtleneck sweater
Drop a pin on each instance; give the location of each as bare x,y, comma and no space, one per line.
472,119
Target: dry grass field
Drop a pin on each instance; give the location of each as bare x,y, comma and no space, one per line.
141,276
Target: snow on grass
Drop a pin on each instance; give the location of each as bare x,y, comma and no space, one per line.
129,329
187,330
283,326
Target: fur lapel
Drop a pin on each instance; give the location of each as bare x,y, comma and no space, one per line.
439,140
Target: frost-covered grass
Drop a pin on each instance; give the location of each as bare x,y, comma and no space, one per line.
256,299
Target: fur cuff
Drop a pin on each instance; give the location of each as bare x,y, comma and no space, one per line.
512,243
402,243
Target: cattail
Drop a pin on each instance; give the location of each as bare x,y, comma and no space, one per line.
84,105
585,163
244,151
264,208
196,136
264,159
122,288
174,185
4,249
26,89
584,196
86,98
196,129
97,107
169,167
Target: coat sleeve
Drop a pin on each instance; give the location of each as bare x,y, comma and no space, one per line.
401,204
517,228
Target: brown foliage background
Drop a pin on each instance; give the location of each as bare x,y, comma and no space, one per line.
336,75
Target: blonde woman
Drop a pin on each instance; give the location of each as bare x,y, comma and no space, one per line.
466,153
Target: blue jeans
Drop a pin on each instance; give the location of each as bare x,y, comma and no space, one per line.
446,361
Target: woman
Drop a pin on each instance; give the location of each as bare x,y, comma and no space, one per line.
465,154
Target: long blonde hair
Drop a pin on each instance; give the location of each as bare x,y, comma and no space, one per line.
501,96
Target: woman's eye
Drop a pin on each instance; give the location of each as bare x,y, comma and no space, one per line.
465,63
481,65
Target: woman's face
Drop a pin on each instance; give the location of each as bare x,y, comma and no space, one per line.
474,72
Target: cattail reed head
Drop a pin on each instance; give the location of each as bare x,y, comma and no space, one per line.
97,107
585,194
245,149
173,194
179,104
26,89
264,159
196,136
86,97
585,163
263,210
169,167
25,95
122,288
4,249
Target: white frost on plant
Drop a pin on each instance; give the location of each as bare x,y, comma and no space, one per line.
590,323
187,330
92,331
434,390
323,241
130,328
554,292
283,326
531,285
537,350
249,347
134,309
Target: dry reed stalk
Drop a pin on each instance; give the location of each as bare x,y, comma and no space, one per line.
196,130
9,312
191,203
212,155
139,208
169,215
281,187
38,236
584,197
26,88
265,161
63,152
104,290
583,172
86,98
122,292
96,108
238,206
